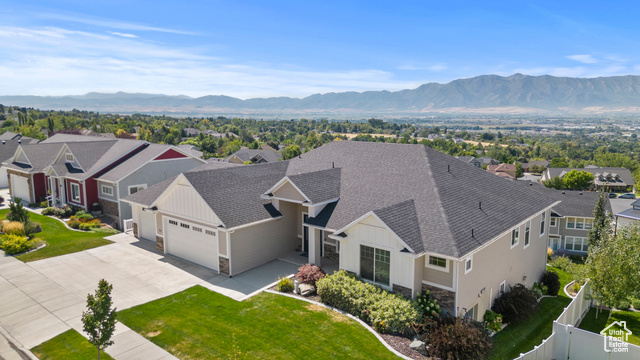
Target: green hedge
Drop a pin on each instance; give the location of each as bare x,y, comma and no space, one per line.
386,312
15,244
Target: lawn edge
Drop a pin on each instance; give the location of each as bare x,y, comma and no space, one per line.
365,325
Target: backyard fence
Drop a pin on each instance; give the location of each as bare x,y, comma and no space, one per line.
568,342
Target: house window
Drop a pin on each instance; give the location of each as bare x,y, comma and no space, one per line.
576,243
542,219
527,230
107,190
571,223
553,222
579,223
503,287
588,224
68,157
75,192
468,265
135,188
375,264
437,263
515,236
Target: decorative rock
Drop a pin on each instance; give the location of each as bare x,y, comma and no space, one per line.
306,289
417,345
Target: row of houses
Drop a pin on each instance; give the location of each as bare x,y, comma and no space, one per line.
405,217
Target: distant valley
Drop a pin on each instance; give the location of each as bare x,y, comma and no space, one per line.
487,94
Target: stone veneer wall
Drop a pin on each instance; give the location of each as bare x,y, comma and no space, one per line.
109,207
135,229
223,263
29,181
404,291
446,299
160,243
330,252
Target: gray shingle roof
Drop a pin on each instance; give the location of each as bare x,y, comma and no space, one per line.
625,174
429,199
630,214
67,138
319,186
135,161
573,203
147,196
8,149
40,156
248,154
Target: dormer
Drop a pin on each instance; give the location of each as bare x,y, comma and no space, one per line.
71,160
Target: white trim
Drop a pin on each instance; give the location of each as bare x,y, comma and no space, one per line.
102,187
527,234
71,184
555,221
280,183
231,230
302,231
439,286
15,156
504,282
427,264
84,191
383,248
358,220
136,186
309,204
543,218
470,259
515,235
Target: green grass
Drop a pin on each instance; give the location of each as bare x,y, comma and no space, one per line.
516,339
200,324
632,318
60,240
69,345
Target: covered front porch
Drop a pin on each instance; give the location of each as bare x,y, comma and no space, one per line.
300,258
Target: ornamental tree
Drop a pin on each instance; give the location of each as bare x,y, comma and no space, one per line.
99,321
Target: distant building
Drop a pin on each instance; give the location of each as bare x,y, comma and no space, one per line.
503,170
471,160
605,178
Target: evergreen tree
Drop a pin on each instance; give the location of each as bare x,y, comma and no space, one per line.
601,222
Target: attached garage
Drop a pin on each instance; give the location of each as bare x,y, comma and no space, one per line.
192,242
4,180
20,188
147,225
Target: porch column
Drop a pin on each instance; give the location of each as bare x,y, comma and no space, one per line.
314,246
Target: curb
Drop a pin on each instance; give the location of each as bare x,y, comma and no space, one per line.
566,292
365,325
17,347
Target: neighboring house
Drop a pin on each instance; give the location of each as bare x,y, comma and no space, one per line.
527,166
503,170
89,132
405,217
630,216
9,135
191,150
68,169
257,156
485,160
605,178
570,220
471,160
7,150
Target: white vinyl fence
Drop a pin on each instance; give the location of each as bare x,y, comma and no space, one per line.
568,342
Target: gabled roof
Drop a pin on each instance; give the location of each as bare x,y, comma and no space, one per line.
66,138
40,156
429,199
573,203
8,148
319,186
9,135
135,161
625,174
249,154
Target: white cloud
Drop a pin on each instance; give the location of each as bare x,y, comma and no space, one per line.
110,23
55,61
122,34
411,67
585,59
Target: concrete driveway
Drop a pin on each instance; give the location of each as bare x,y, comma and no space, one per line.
44,298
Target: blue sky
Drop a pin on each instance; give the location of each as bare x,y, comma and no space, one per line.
296,48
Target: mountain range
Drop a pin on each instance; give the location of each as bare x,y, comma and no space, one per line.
488,94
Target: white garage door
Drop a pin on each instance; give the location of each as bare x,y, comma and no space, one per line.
20,188
147,225
192,242
4,180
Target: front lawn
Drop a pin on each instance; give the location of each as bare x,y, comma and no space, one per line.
60,240
200,324
69,345
632,318
516,339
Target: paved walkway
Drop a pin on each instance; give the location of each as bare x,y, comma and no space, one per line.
44,298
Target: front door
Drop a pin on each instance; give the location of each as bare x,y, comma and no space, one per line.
554,243
305,233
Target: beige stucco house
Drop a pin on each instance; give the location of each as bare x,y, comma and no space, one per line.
405,217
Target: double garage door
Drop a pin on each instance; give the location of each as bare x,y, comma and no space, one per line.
192,242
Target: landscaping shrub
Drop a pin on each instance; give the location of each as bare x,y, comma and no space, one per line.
577,270
493,320
635,303
552,281
88,225
561,262
456,338
106,230
387,312
17,212
539,290
13,228
309,274
74,224
49,211
65,211
516,305
575,287
549,253
44,204
427,306
32,228
15,244
284,285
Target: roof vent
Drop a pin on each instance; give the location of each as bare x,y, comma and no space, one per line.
2,142
480,205
333,164
448,168
19,141
563,193
472,233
